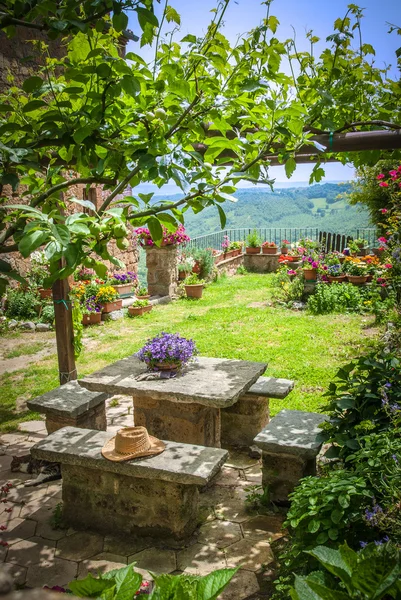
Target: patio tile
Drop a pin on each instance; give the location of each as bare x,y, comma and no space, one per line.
79,546
17,572
227,477
41,510
31,552
5,463
17,530
228,503
101,564
249,555
13,438
26,495
6,514
201,559
56,572
220,533
32,426
254,474
155,560
46,531
126,546
243,585
263,527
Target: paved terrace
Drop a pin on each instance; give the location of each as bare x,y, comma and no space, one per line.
38,554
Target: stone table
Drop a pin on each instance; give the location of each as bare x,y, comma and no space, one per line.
185,408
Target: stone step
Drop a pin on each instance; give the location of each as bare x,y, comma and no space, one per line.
270,387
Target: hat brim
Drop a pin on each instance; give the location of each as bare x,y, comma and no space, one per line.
109,451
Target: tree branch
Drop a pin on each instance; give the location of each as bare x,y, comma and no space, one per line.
120,188
186,112
158,209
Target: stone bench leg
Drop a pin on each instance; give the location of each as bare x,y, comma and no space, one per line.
94,418
114,503
241,422
179,422
281,474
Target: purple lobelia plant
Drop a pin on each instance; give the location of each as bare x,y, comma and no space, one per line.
167,349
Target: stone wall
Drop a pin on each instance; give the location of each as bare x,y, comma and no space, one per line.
230,265
261,263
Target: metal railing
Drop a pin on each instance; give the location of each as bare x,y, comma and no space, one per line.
278,235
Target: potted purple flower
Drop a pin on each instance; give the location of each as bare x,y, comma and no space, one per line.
123,282
167,352
91,311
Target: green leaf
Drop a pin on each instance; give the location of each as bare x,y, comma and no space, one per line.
272,23
290,167
227,197
85,203
146,16
155,229
71,254
33,105
303,591
333,561
222,215
314,526
100,269
31,241
130,85
83,133
211,586
172,15
337,515
128,583
61,233
343,501
6,108
32,83
89,587
79,228
120,21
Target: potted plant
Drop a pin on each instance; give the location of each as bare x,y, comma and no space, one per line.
139,307
84,274
194,286
177,238
362,246
123,283
204,262
269,248
107,298
38,272
310,267
91,311
167,352
253,243
235,248
356,273
335,273
142,293
284,246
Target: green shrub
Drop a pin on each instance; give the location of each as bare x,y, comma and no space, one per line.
21,304
205,259
253,240
47,314
370,574
338,298
363,399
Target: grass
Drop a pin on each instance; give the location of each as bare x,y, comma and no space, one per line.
25,349
296,345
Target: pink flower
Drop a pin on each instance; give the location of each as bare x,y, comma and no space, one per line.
399,169
383,211
383,285
381,176
383,240
388,266
393,173
383,184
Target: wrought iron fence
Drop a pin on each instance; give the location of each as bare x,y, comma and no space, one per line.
279,234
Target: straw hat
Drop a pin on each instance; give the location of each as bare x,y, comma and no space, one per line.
132,442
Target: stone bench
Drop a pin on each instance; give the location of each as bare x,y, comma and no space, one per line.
71,404
242,421
154,496
289,447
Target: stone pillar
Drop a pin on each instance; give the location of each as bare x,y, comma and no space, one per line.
178,421
241,422
282,472
93,418
162,270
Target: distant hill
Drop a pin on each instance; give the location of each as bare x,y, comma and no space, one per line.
312,206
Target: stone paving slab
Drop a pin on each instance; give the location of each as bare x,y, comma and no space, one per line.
179,463
270,387
215,382
69,400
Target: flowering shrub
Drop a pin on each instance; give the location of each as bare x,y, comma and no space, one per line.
106,294
285,244
177,238
84,274
269,245
167,348
225,243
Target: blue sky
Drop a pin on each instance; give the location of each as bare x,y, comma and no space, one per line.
303,15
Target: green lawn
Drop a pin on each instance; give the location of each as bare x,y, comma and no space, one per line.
296,345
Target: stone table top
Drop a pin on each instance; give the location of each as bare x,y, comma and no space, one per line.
69,400
216,382
292,432
179,463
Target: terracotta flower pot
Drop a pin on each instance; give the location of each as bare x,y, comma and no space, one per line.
377,252
341,259
194,291
363,251
252,250
339,279
143,297
137,311
182,275
284,250
162,366
310,274
269,250
357,279
109,307
91,318
196,267
123,288
45,293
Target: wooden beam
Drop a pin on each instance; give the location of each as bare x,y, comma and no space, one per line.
64,330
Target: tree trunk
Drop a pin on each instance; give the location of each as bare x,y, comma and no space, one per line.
64,330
